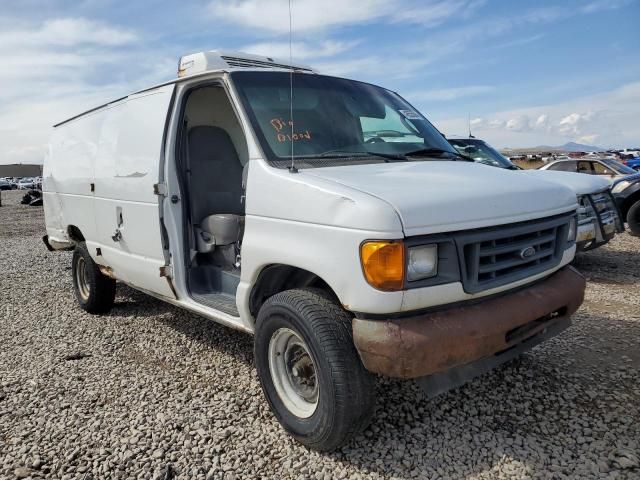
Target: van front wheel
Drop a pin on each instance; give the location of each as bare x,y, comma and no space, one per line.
94,291
309,369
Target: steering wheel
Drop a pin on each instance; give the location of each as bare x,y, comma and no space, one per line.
375,140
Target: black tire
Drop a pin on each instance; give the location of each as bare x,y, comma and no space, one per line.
346,390
633,219
94,291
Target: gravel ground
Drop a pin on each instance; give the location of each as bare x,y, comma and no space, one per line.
151,391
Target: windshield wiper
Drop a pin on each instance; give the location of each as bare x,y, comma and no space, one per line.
360,153
437,152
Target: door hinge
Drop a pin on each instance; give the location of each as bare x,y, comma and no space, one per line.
160,189
166,271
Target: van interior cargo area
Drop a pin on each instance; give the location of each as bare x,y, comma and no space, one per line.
212,159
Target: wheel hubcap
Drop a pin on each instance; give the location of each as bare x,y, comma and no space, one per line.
293,372
82,279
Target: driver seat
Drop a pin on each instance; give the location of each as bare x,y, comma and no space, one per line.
215,185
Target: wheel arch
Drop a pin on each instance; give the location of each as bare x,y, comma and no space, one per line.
276,278
628,202
75,234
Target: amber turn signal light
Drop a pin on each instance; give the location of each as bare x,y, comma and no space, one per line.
383,264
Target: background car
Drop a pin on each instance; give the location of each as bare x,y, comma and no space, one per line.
633,163
626,192
5,185
598,218
592,166
26,184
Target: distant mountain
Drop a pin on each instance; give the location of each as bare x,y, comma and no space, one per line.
571,147
579,147
567,147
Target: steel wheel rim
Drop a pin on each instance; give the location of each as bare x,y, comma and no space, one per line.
293,372
82,279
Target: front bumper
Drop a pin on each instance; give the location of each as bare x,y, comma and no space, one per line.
602,225
594,234
434,342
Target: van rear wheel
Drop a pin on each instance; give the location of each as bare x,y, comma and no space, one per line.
309,369
94,291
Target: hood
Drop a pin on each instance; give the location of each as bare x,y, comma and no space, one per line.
580,183
440,196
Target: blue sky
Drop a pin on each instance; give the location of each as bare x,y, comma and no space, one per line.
527,73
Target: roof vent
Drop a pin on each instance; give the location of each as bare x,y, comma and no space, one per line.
217,60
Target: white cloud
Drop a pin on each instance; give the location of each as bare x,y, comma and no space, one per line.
590,139
300,50
447,94
542,122
574,123
600,5
609,118
519,123
53,70
312,15
67,32
273,15
433,13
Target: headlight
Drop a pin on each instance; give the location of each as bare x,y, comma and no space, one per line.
571,232
423,262
620,186
383,264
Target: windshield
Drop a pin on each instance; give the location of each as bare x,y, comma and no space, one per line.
335,121
481,152
618,167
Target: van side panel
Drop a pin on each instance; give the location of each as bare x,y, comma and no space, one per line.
68,175
128,167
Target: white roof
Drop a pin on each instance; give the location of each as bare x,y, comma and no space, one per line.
217,60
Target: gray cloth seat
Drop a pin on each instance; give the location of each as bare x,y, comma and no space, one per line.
215,186
215,173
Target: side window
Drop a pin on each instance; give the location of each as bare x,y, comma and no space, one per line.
564,166
391,128
585,167
600,169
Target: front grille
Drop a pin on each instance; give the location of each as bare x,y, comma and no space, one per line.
497,256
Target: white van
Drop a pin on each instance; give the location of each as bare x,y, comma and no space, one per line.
282,216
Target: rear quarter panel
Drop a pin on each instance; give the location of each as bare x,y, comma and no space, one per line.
68,174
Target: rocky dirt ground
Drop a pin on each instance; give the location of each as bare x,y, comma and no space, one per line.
151,391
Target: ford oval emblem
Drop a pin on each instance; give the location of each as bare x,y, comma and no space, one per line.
527,252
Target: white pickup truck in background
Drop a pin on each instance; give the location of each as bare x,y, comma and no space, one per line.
284,216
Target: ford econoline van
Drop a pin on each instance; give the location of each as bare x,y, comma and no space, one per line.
256,193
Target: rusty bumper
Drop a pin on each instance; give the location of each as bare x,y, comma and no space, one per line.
412,347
